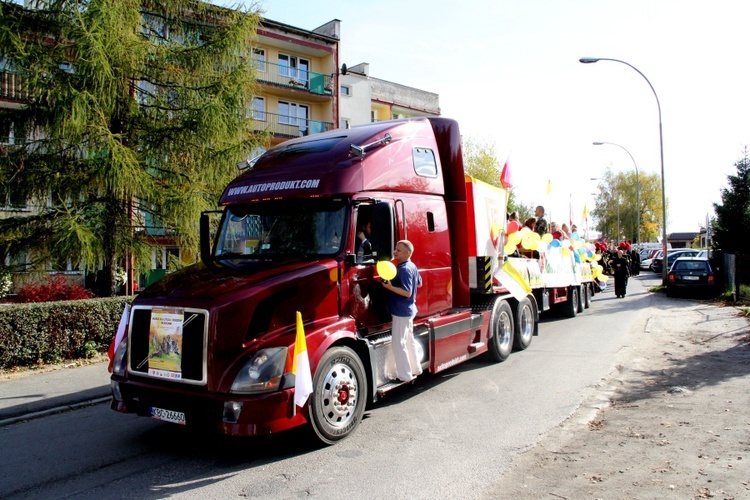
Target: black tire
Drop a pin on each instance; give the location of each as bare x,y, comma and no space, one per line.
339,395
525,325
570,308
587,293
501,331
581,300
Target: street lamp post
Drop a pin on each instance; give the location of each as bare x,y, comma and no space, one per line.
637,190
591,60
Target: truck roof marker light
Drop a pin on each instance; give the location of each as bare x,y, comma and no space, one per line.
360,151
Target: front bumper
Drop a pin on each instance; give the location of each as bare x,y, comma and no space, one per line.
259,414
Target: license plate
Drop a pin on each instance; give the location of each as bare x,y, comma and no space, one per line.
691,278
175,417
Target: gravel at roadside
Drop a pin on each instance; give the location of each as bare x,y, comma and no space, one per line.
672,421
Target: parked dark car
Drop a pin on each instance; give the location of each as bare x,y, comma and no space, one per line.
672,255
691,276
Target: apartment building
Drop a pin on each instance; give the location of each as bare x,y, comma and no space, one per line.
298,75
365,99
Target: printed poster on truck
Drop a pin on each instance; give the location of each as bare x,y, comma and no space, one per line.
165,343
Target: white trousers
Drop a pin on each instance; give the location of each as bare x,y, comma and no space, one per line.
404,353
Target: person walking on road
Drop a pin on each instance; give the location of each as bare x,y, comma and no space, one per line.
621,269
402,306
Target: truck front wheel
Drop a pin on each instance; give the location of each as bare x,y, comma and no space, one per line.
501,329
339,395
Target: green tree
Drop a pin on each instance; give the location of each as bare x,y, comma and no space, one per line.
730,228
616,213
480,162
133,107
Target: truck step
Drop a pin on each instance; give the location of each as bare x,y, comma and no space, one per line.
391,385
475,346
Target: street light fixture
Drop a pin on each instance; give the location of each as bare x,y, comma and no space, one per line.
591,60
637,190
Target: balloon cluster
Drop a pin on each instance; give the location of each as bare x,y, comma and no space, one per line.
581,251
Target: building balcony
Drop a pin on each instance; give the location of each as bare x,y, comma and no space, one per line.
11,87
294,78
288,126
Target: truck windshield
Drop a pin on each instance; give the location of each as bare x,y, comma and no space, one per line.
282,228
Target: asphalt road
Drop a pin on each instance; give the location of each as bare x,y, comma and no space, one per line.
447,436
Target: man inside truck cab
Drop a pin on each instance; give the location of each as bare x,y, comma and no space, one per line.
364,247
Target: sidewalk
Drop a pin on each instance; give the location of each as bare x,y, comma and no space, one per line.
32,394
672,421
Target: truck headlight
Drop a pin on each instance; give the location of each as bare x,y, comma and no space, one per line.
120,364
262,373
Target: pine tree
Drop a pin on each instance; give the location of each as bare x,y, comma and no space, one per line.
133,106
730,228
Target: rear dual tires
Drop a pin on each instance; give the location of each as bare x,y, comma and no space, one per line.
570,308
501,331
587,293
525,325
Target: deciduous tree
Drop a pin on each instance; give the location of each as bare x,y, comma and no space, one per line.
616,207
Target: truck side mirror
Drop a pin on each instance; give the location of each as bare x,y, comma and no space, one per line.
382,231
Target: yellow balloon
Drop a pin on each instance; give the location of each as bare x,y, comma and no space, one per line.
597,257
604,278
525,231
495,230
527,243
547,238
386,270
566,252
577,244
515,238
535,236
509,248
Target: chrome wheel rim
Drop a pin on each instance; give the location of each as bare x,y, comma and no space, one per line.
338,398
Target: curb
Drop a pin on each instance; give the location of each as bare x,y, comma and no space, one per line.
52,411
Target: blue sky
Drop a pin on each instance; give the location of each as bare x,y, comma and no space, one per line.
508,71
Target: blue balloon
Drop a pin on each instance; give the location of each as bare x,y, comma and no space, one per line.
575,236
555,243
590,254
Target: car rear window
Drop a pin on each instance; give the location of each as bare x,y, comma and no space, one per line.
691,266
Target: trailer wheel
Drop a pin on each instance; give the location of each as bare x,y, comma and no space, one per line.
581,293
587,293
501,329
339,395
524,331
570,309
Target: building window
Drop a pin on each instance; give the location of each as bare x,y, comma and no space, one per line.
259,109
373,116
259,59
345,123
346,90
295,68
424,162
294,114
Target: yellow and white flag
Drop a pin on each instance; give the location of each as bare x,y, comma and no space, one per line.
303,385
512,280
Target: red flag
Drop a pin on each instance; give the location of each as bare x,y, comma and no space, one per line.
505,178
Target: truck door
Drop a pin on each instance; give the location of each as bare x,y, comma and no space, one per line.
373,241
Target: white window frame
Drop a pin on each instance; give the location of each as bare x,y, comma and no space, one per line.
259,59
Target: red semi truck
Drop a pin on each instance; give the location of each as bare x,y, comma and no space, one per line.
213,343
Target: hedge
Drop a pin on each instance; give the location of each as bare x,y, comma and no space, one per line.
49,332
